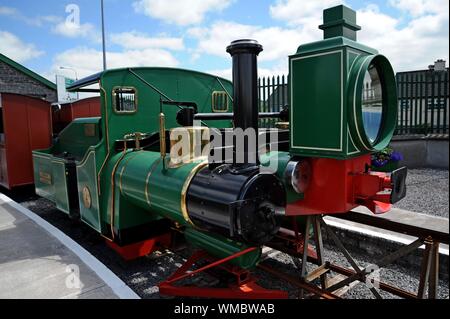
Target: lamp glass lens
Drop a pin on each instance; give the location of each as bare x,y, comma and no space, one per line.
372,102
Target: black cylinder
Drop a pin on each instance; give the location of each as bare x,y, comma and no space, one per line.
245,93
247,207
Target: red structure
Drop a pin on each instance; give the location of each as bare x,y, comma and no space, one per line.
339,186
25,125
142,248
66,113
245,286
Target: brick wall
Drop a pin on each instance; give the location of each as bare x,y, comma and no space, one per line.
14,81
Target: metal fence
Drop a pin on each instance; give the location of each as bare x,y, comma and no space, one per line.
423,101
273,96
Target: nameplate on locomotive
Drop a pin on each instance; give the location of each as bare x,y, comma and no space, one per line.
45,178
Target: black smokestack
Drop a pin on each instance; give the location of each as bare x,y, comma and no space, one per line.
245,91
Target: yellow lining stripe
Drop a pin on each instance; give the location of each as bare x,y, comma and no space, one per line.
147,196
125,164
185,188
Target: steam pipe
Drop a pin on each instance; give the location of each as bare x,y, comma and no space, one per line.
229,116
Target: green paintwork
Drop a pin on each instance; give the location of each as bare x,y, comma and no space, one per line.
322,77
42,164
325,92
355,113
317,106
339,21
177,84
95,154
87,177
55,187
60,185
143,180
74,140
277,162
223,247
333,44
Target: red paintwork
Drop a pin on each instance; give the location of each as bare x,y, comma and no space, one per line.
89,107
244,288
338,186
142,248
26,126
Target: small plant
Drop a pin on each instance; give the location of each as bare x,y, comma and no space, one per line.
386,156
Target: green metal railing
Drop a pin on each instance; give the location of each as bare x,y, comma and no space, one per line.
273,96
423,101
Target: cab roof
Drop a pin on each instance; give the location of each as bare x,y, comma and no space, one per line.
95,78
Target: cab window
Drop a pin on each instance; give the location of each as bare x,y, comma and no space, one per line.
219,101
125,100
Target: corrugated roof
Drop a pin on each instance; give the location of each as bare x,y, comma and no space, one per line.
21,68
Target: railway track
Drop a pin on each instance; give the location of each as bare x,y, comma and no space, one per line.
145,274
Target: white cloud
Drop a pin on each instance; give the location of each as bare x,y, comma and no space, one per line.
420,7
137,40
413,46
180,12
302,18
8,11
411,41
227,73
37,21
58,24
223,73
277,42
16,49
301,12
89,61
73,30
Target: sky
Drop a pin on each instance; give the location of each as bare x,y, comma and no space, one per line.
193,34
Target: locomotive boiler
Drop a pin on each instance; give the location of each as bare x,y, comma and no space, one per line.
125,175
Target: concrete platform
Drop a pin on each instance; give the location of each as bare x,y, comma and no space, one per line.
39,261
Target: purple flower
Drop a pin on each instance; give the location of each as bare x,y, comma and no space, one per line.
396,156
379,162
386,156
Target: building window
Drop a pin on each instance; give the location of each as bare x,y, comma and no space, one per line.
219,101
125,100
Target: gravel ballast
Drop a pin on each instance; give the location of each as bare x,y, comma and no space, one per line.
427,192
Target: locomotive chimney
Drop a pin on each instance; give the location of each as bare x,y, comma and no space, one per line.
245,94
